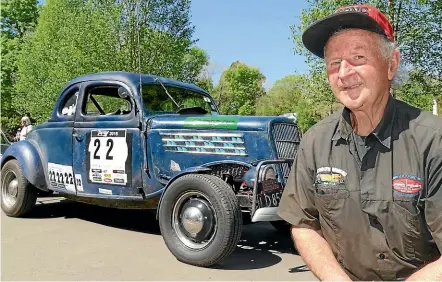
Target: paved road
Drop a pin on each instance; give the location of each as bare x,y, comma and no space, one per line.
64,240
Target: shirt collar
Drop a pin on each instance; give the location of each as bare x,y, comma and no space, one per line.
382,132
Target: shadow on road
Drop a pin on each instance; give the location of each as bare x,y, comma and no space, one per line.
134,220
258,248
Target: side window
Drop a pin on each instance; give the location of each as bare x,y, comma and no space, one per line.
106,101
70,104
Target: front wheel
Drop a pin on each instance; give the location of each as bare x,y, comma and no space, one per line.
18,195
200,219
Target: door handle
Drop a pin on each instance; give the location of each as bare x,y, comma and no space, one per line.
78,137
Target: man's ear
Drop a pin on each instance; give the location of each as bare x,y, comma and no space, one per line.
393,65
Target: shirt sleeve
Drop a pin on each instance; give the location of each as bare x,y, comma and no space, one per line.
433,201
297,205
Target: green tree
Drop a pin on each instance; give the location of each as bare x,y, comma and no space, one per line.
238,89
76,37
306,95
417,27
417,91
283,97
18,18
72,38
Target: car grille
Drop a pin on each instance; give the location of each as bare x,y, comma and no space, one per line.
287,138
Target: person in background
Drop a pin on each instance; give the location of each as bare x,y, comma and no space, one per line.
30,118
364,196
26,127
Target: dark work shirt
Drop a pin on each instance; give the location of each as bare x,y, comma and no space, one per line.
381,213
361,145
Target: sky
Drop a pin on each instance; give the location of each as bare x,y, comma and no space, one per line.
256,33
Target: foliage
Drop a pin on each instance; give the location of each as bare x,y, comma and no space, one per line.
307,95
76,37
238,90
283,97
416,91
18,18
205,83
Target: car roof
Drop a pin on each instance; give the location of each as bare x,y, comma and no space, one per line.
132,79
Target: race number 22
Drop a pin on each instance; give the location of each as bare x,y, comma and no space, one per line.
108,152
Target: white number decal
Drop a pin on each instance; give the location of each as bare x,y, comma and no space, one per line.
61,176
108,151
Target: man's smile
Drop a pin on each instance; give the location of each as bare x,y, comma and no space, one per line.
345,88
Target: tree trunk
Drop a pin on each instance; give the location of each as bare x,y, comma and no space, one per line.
435,106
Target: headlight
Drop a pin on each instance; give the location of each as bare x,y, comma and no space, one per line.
267,172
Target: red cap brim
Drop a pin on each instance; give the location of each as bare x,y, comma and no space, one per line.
317,35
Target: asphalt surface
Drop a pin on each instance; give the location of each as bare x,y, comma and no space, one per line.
65,240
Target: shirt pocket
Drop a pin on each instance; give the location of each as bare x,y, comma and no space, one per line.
406,217
330,191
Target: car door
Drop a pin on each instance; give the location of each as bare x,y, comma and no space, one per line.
54,141
106,142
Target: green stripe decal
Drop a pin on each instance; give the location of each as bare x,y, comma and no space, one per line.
212,122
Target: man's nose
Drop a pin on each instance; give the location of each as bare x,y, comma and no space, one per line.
345,69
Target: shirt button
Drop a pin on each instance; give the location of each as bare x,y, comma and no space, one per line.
381,256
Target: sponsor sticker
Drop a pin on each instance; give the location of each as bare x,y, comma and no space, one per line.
212,122
118,180
105,191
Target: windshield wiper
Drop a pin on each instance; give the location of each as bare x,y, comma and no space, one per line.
167,92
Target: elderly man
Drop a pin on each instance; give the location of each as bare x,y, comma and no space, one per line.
365,194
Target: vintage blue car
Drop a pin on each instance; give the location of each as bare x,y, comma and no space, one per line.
132,141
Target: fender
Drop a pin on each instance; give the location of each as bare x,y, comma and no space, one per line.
189,170
204,168
29,160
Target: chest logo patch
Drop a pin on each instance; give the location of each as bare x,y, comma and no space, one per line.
407,184
330,176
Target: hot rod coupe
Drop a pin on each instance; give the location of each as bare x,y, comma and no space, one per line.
137,141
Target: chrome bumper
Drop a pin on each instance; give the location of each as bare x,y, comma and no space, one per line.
264,213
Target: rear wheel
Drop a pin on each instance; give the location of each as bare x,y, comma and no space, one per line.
200,219
17,194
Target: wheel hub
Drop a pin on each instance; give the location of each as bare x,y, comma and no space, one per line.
194,220
9,188
197,219
13,188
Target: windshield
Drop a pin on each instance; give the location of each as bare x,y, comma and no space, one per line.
155,99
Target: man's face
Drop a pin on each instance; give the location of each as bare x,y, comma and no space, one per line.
356,70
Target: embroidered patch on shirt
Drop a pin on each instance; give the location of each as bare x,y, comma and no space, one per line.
407,184
330,176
